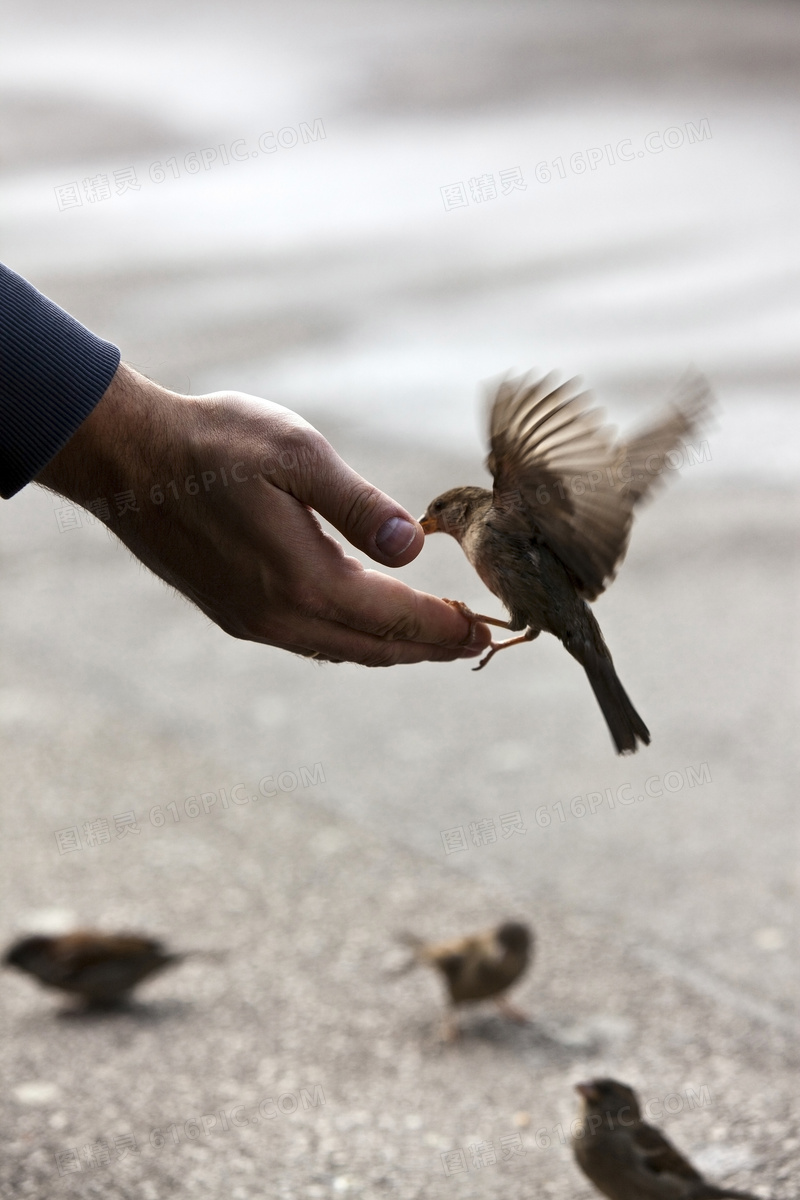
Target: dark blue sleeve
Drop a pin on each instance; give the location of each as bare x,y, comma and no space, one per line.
53,372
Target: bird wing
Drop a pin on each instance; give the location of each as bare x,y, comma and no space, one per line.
451,965
559,471
79,950
450,957
644,456
90,961
496,973
460,962
659,1156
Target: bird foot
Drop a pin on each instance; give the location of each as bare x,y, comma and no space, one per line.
474,617
527,636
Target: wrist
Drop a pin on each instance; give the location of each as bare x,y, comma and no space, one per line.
129,433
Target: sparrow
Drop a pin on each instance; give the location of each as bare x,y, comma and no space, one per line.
101,968
481,966
627,1159
552,532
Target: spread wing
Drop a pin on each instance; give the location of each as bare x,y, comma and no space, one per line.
559,471
648,456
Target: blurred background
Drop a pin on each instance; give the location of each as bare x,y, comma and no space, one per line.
365,211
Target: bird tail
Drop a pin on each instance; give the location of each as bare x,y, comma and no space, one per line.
625,725
587,644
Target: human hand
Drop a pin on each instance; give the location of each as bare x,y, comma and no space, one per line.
234,529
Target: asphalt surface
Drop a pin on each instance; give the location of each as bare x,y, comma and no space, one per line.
666,945
294,1061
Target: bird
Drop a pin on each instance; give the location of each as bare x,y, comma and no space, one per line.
480,966
553,530
627,1159
100,968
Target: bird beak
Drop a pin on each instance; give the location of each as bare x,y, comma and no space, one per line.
587,1090
429,524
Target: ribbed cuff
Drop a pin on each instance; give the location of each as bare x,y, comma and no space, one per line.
53,372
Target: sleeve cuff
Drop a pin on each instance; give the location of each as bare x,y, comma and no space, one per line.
53,372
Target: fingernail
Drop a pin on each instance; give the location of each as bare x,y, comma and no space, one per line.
395,536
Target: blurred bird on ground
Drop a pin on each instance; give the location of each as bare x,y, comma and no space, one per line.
100,968
481,966
627,1159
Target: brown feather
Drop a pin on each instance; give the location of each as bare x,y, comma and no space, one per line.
558,467
627,1159
100,967
479,966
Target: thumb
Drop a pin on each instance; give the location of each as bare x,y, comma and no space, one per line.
366,516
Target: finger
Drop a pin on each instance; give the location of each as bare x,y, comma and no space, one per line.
332,586
346,646
387,607
325,641
368,652
367,517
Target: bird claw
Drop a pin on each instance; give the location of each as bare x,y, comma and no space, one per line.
461,607
527,636
493,648
473,617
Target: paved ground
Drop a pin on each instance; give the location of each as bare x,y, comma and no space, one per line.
667,947
666,937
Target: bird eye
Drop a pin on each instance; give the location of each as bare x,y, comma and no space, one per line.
438,506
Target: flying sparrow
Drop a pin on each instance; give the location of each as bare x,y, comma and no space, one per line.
555,527
99,967
479,967
627,1159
